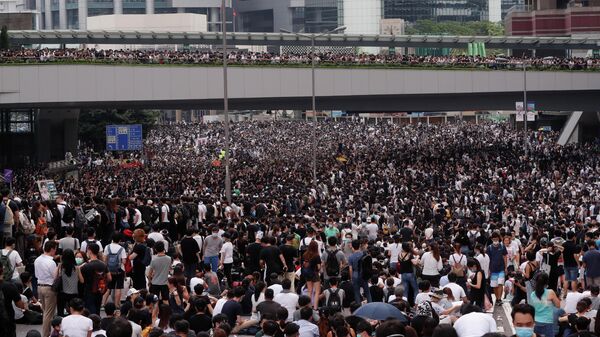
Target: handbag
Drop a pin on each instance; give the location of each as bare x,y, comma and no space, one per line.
57,284
545,267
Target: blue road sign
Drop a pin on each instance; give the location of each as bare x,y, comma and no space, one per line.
124,137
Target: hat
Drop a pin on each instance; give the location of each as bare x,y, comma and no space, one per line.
438,294
132,291
150,202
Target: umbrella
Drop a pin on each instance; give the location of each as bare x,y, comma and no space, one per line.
380,311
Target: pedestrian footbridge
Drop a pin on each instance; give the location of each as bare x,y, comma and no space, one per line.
270,87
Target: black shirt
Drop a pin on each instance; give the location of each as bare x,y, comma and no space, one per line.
253,256
289,253
232,309
106,322
89,271
406,234
140,250
189,251
10,295
270,255
570,249
200,322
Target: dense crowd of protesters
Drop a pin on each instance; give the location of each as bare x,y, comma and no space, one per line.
264,58
442,222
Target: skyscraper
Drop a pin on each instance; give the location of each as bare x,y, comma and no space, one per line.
436,10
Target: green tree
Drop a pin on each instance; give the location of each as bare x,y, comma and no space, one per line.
474,28
4,44
92,123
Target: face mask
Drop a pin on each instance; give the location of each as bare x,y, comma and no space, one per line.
496,243
79,260
523,332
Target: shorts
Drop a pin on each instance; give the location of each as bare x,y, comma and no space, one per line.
118,280
497,279
571,273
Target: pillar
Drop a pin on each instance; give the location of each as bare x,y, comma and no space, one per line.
39,22
214,18
177,116
83,14
149,6
180,10
62,14
118,7
48,14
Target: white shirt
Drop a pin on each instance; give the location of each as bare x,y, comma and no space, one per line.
277,288
156,236
45,269
422,297
198,239
164,213
114,248
99,333
372,229
19,313
194,282
76,326
394,249
136,329
307,329
288,300
484,262
475,324
431,266
227,252
14,259
571,301
84,245
457,291
219,306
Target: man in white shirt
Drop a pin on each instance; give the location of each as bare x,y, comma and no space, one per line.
14,259
287,298
117,282
474,323
201,212
76,325
45,272
158,236
372,229
457,291
226,260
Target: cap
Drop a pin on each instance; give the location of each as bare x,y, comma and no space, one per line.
132,291
150,202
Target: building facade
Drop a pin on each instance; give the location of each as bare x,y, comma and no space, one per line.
554,18
436,10
73,14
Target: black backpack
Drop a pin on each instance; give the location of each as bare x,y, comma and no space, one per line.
334,303
68,214
332,265
4,319
365,267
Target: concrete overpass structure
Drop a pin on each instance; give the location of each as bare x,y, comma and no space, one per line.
355,89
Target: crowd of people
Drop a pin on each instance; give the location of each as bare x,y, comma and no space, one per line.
265,58
432,224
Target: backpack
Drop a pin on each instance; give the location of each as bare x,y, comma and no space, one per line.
457,268
472,239
303,246
99,286
332,265
365,267
114,260
147,257
334,303
8,216
27,224
68,214
533,275
7,266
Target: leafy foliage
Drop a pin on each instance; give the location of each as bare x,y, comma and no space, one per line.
475,28
92,123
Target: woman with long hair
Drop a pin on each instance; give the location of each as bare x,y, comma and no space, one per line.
311,270
476,284
431,262
407,261
67,271
258,297
164,316
545,302
176,296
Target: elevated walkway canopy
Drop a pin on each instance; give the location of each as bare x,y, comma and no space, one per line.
27,37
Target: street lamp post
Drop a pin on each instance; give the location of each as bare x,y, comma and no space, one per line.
225,102
525,105
312,38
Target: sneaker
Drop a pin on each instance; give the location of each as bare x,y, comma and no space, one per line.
499,303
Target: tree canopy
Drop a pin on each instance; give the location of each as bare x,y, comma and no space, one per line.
474,28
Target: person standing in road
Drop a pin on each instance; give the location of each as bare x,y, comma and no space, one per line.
591,263
212,247
45,272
